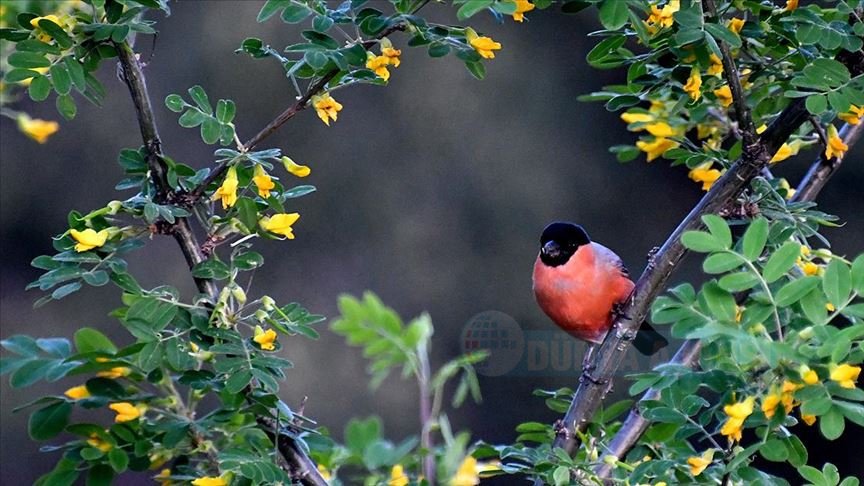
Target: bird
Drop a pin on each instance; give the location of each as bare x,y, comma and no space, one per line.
581,285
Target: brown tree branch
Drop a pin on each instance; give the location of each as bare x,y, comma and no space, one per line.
302,468
596,380
730,72
635,424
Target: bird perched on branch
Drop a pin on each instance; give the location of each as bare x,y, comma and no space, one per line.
581,285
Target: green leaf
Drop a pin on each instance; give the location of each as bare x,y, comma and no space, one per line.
200,98
30,372
118,459
47,422
175,103
781,261
154,313
60,79
739,281
721,263
66,106
472,7
701,242
212,269
724,34
150,356
28,60
720,302
270,8
719,228
76,73
816,104
754,239
18,75
813,305
225,111
248,261
837,282
795,290
192,118
295,13
477,69
57,32
857,274
561,475
813,475
211,130
88,340
40,88
774,450
247,213
613,14
238,381
832,424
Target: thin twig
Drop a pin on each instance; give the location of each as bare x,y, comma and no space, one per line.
688,354
730,72
302,468
301,104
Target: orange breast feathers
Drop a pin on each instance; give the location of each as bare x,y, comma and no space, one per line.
579,295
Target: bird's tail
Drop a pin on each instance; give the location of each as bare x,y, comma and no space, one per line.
648,341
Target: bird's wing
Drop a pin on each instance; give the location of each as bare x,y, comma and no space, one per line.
610,258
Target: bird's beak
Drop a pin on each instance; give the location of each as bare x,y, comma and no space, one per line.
551,249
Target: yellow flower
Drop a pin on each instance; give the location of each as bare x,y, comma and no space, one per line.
836,147
661,129
37,129
808,419
809,268
98,442
769,404
210,481
263,181
705,174
484,46
295,168
324,472
77,392
694,83
227,192
790,6
392,55
724,95
735,25
265,339
88,239
397,476
699,463
657,147
716,67
26,82
126,412
853,116
662,18
42,36
705,131
737,413
845,375
378,64
786,150
280,224
326,107
467,474
522,6
162,477
830,307
809,376
637,118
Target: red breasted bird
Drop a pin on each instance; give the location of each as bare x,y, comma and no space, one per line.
580,284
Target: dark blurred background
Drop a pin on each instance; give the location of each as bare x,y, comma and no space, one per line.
432,192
